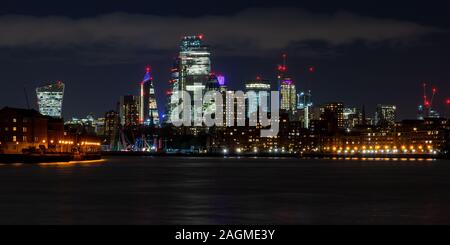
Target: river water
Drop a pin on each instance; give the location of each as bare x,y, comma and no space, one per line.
182,190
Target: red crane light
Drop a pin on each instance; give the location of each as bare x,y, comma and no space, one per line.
448,102
282,68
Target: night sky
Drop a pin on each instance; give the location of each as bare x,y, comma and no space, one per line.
365,52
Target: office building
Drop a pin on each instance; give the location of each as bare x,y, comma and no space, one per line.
260,91
129,110
50,99
385,115
190,73
148,106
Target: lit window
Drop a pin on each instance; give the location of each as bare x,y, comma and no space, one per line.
24,138
14,129
14,119
25,129
14,138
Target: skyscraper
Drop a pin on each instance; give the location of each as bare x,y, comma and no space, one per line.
222,83
352,117
50,99
286,87
304,104
288,93
148,107
111,125
385,115
191,71
129,110
261,88
333,115
212,85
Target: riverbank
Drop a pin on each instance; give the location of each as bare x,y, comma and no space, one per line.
284,155
46,158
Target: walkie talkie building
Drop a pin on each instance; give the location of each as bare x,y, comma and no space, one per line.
50,99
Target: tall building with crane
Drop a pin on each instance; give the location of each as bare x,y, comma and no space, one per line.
426,109
287,88
148,106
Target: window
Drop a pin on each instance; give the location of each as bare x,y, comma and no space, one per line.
6,129
14,138
14,120
25,120
24,138
25,129
14,129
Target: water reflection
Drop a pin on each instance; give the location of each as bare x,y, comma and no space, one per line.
151,190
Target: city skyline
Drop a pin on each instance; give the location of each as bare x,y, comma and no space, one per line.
384,63
213,113
194,75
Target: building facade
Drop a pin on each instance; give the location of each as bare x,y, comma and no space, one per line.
332,114
190,73
22,129
258,92
148,106
50,99
129,110
288,95
385,115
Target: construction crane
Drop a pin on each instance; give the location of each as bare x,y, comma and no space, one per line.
426,110
26,97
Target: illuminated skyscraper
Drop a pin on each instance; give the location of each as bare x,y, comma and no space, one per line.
287,89
222,83
385,115
191,71
304,104
148,107
235,113
288,93
129,110
50,99
261,88
213,85
352,117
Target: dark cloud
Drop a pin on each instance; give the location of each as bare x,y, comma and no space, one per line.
244,33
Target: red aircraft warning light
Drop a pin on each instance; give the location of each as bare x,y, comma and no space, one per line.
447,102
282,68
